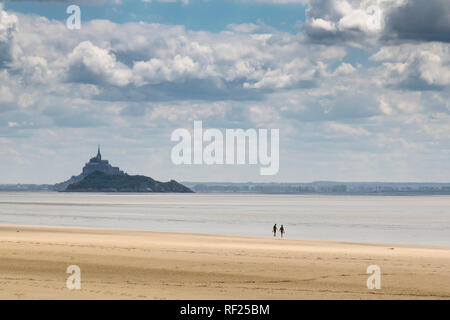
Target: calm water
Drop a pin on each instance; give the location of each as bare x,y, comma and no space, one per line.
402,219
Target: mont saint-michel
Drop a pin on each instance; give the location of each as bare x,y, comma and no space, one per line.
98,175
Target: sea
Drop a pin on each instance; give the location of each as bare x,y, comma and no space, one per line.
418,220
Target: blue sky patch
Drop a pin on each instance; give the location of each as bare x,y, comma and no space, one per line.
212,16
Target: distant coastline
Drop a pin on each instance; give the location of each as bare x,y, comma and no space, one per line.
319,187
324,187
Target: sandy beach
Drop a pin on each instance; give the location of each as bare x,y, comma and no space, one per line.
153,265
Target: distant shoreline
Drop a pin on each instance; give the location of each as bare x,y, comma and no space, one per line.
394,194
318,187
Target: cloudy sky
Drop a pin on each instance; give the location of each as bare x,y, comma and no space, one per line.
354,100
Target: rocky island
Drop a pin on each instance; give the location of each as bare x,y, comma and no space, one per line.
99,176
102,182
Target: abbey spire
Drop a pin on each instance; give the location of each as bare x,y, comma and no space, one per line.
99,155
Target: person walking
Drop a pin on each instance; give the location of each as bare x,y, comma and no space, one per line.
282,231
274,230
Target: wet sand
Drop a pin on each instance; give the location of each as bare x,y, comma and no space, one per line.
118,264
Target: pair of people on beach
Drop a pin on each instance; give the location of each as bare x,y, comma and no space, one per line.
275,229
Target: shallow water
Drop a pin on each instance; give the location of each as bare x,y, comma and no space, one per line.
423,220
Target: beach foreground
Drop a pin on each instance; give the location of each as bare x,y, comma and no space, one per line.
153,265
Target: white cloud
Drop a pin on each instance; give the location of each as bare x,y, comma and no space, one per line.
343,128
8,26
88,62
344,69
157,70
416,66
357,23
5,94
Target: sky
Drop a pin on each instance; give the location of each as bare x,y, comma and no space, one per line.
357,94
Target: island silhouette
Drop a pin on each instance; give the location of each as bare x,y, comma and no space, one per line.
99,175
